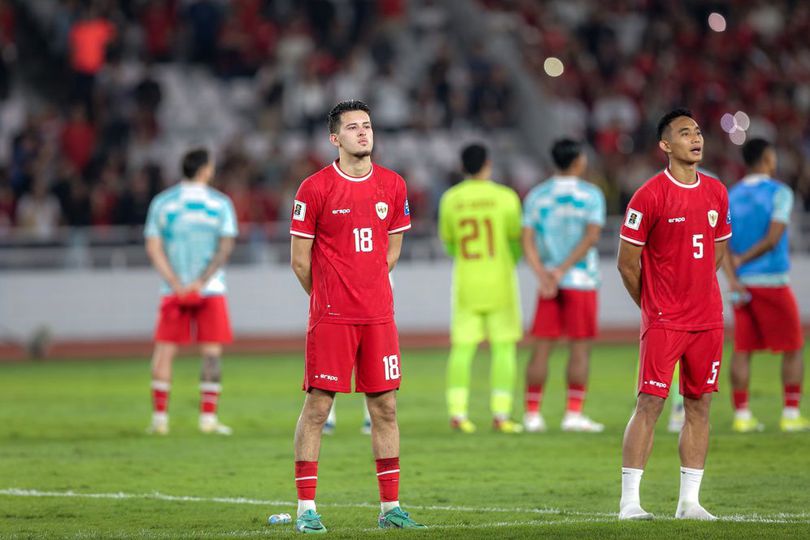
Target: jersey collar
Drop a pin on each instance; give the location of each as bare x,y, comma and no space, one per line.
681,184
754,179
351,178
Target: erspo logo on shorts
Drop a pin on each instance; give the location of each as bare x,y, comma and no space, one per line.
299,210
633,219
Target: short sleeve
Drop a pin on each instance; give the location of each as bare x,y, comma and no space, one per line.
596,208
782,204
228,227
401,217
723,230
305,210
152,227
639,217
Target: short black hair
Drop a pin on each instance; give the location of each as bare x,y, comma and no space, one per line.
473,158
753,150
663,124
342,107
194,160
564,152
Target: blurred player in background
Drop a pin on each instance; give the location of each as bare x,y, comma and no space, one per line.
190,233
347,225
670,249
562,220
765,312
479,224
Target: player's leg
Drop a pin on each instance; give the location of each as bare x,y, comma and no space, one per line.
783,332
173,328
677,416
378,375
307,451
700,369
792,376
504,329
466,332
747,338
546,329
331,350
213,330
658,352
162,358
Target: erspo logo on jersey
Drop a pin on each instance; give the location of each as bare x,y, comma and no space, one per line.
299,210
633,219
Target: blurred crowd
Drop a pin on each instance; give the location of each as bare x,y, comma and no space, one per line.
625,62
98,98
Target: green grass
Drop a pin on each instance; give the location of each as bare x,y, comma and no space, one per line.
78,427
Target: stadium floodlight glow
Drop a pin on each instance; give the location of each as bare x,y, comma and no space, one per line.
742,120
717,22
737,137
728,123
553,66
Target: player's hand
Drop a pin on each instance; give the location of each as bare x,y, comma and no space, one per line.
557,275
190,295
739,294
548,284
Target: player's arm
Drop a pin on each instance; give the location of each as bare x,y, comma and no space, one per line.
446,232
775,232
394,249
589,239
154,249
727,264
629,264
224,250
548,286
301,260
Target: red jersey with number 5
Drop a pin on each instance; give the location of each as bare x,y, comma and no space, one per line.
350,219
678,225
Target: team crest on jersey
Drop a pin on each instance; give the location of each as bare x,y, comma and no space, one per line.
382,209
713,215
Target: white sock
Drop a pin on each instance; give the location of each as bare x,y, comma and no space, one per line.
208,418
690,485
791,413
303,506
631,480
386,506
160,417
743,414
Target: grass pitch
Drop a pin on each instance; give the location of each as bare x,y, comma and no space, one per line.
75,462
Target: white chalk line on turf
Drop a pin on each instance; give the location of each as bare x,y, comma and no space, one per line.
583,517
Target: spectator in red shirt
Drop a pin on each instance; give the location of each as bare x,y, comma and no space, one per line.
78,138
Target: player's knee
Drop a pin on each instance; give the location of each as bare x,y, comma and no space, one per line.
383,411
649,406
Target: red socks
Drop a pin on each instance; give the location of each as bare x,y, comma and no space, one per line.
306,479
793,394
534,397
209,397
740,399
576,398
160,396
388,479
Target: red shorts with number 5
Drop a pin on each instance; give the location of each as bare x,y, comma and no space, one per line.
207,320
698,354
769,321
333,351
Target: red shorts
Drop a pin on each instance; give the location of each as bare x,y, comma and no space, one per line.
334,350
571,313
699,355
769,321
209,321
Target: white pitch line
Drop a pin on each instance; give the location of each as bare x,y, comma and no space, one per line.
585,517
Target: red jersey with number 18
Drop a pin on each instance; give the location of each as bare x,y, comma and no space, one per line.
350,219
678,225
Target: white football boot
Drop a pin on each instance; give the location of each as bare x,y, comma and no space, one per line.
580,423
210,424
534,423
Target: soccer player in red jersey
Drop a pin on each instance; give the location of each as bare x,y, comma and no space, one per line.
672,242
347,225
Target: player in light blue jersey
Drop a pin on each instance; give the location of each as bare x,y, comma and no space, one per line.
190,233
562,220
766,315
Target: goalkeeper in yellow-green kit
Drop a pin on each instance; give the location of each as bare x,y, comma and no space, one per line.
480,226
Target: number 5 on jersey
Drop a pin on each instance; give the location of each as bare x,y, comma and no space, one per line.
362,240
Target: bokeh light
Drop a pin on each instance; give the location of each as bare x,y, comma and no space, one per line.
737,137
553,66
717,22
742,120
728,123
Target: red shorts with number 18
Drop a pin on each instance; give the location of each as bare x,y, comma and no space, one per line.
333,351
698,354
